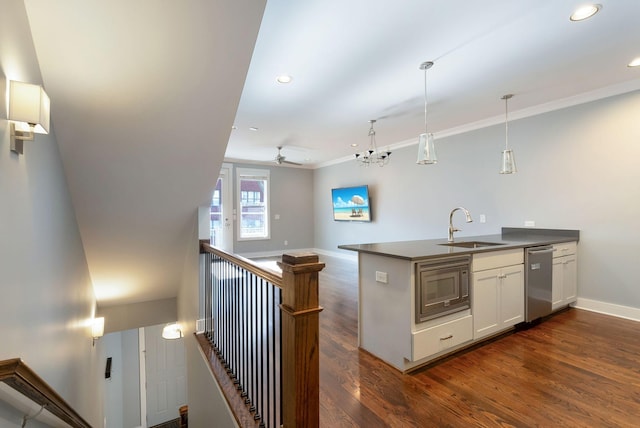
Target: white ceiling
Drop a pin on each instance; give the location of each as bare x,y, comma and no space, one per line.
144,94
352,61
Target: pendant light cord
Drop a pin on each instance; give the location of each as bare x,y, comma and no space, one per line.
425,100
506,120
506,123
425,66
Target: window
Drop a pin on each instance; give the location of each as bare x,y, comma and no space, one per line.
216,214
253,204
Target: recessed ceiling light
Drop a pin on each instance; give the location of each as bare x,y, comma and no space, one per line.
634,63
284,79
584,12
234,127
253,128
354,144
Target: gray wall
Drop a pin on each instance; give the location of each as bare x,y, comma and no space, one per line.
135,315
47,297
113,402
292,198
577,170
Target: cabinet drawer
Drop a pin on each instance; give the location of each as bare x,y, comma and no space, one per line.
441,337
496,259
564,249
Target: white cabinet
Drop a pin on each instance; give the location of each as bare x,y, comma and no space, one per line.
497,291
565,267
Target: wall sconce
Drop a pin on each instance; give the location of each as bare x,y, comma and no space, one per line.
29,113
97,329
172,331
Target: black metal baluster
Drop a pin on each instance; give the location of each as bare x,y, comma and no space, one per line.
254,341
279,360
224,340
268,412
236,329
245,331
240,334
259,366
208,266
216,317
208,284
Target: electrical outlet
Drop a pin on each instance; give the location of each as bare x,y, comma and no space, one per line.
286,243
483,218
529,223
382,277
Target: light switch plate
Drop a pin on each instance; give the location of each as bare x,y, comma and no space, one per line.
382,277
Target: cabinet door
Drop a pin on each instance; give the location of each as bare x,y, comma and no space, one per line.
569,279
564,283
511,295
556,283
485,302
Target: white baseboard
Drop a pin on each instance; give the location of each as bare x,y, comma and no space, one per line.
619,311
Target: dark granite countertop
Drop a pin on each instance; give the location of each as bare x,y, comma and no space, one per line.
511,237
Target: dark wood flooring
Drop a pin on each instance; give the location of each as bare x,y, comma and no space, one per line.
576,369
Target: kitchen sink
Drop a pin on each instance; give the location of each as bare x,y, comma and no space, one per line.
471,244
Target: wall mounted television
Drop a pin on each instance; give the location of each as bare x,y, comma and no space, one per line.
351,203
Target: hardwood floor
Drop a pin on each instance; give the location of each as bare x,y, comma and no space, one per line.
576,369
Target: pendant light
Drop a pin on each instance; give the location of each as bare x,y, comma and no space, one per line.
426,148
508,160
373,156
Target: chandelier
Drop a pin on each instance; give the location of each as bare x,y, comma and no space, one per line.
373,156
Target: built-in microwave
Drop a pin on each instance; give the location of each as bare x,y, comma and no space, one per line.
441,287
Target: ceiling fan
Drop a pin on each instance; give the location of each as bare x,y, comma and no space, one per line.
281,159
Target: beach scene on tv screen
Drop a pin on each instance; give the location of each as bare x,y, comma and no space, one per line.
351,204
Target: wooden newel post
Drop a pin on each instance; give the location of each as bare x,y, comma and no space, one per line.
300,347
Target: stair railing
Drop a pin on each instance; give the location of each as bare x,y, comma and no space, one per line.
261,336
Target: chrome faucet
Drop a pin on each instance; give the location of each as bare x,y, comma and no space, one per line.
454,229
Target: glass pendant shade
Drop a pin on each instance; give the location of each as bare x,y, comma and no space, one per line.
426,150
508,162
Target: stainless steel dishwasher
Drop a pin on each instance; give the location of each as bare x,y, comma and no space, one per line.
538,277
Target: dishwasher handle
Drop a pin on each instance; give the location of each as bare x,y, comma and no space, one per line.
540,250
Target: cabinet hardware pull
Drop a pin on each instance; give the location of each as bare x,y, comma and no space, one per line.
447,338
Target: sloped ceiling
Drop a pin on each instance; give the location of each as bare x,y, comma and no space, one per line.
143,97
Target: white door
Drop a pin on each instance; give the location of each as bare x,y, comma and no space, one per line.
166,376
222,211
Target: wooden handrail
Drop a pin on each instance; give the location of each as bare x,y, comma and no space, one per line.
16,374
272,276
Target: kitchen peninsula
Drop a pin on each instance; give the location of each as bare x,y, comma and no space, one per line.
421,300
